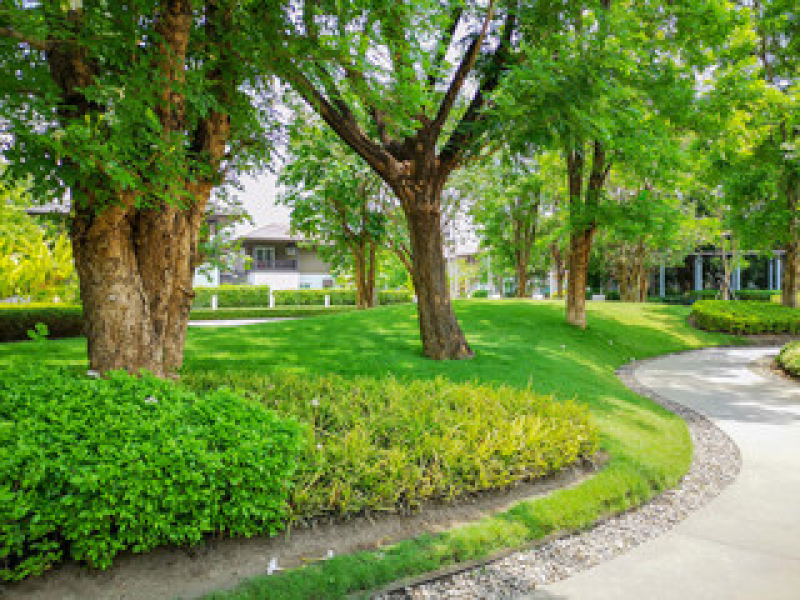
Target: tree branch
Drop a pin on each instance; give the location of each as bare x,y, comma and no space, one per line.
36,43
464,69
465,132
444,46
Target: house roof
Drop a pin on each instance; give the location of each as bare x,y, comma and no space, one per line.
274,232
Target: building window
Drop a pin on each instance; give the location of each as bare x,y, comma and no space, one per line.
305,285
263,257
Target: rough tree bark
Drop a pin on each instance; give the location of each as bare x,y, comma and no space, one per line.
135,255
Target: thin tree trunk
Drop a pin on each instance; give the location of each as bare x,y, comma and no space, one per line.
370,276
789,281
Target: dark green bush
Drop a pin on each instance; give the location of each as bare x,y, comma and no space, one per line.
671,299
745,317
232,296
61,320
480,294
389,445
755,295
93,467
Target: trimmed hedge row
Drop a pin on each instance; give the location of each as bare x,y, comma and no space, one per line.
337,297
61,320
745,317
389,445
95,467
232,296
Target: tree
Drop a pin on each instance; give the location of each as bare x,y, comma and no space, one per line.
140,111
382,90
337,199
752,116
508,199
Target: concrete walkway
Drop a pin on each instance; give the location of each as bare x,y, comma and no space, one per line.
745,544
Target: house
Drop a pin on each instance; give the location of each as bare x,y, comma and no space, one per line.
274,256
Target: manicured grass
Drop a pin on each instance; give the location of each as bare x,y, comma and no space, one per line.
517,343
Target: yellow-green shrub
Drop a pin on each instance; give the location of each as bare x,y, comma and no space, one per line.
389,445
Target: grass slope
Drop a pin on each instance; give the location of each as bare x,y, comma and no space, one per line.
516,343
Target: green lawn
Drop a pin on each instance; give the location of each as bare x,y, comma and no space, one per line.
518,343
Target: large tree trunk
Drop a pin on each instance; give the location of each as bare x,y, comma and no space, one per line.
136,270
441,334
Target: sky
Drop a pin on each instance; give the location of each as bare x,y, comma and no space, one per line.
258,198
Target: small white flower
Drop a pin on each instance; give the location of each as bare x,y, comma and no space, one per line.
151,400
610,342
94,374
319,446
563,346
315,402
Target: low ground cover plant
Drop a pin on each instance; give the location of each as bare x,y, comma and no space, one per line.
386,445
93,467
745,317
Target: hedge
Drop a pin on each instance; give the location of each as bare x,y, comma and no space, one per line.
95,467
232,296
338,297
789,358
745,317
388,445
61,320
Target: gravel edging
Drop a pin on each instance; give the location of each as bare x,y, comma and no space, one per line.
716,462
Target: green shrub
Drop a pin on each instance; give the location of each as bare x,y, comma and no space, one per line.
671,299
394,297
389,445
480,294
338,297
745,317
61,320
93,467
232,296
755,295
314,297
206,314
789,358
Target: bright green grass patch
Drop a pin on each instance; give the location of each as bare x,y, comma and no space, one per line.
745,317
517,343
384,445
206,314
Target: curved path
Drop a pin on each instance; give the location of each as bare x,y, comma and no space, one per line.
745,544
